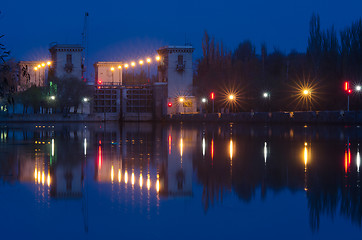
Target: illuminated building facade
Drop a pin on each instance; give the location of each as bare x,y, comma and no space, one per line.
175,68
108,72
67,60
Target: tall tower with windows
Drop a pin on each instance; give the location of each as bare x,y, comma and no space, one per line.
67,60
175,68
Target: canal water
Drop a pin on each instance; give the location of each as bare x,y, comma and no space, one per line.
179,181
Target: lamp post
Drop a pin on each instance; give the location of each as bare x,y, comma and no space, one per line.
148,60
348,91
35,69
204,100
126,67
212,96
158,58
141,63
119,74
266,95
308,94
231,100
112,70
39,66
133,64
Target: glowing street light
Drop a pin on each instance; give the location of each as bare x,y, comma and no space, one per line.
85,99
119,74
133,64
358,88
181,99
52,97
203,100
158,58
305,92
43,64
231,97
141,62
112,70
266,95
49,63
148,60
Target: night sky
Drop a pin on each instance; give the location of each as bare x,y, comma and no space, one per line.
127,30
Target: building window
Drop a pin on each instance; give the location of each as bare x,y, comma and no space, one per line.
69,58
180,60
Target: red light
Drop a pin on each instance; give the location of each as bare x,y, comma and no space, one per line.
349,91
99,81
212,95
346,86
169,104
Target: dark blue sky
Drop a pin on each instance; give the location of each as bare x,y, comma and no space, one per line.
121,30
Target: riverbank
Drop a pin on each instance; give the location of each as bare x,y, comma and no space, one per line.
335,117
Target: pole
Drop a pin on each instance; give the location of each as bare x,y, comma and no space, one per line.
148,72
348,102
212,105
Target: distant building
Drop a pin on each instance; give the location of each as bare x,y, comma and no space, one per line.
175,68
108,72
33,73
67,60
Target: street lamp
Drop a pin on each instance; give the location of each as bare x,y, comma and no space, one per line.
308,95
212,96
231,100
158,58
52,98
119,74
148,60
112,70
133,64
266,95
358,88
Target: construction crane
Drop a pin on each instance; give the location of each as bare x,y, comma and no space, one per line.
85,46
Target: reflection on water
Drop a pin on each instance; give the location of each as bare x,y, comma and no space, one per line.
143,166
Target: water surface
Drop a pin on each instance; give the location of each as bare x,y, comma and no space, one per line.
178,181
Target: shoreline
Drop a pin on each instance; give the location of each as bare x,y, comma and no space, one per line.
323,117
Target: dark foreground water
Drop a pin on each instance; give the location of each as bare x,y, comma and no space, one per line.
179,181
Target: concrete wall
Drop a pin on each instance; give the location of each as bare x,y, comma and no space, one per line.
103,72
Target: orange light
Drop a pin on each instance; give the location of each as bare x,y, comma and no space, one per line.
212,149
169,144
100,157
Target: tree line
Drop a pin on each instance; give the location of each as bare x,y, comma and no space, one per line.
330,59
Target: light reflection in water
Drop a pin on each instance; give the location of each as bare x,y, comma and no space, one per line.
148,182
231,150
85,146
53,147
141,180
112,173
158,183
265,152
119,175
358,160
126,177
132,178
203,147
305,156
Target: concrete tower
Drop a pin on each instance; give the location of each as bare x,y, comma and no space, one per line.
175,68
67,60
